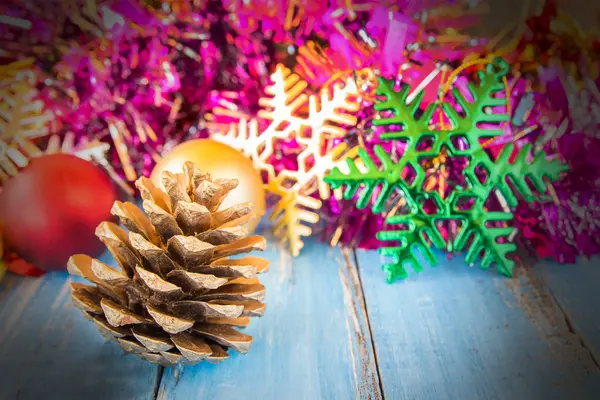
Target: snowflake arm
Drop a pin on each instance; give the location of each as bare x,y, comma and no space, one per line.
490,242
415,127
484,237
293,213
388,178
22,116
521,168
323,164
416,229
404,114
14,156
292,216
242,136
329,111
490,83
22,120
284,98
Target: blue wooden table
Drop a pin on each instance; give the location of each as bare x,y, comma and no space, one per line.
335,330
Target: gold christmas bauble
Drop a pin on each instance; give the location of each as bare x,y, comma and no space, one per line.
221,161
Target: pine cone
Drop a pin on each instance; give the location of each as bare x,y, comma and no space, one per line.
177,297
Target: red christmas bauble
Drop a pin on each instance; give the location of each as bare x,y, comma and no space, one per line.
51,209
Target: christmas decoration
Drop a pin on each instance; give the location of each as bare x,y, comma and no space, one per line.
566,227
177,297
344,35
560,55
122,83
313,135
220,161
414,212
22,120
132,78
144,75
94,151
50,209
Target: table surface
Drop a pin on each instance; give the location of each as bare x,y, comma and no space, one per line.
334,329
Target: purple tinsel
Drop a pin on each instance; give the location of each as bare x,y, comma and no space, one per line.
153,77
568,225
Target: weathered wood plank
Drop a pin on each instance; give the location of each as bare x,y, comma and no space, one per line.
49,351
312,343
454,332
575,288
360,341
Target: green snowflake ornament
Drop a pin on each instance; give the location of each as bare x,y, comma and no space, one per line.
414,215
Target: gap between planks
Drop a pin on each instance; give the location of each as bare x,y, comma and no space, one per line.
371,387
367,381
544,310
568,319
547,304
159,376
574,331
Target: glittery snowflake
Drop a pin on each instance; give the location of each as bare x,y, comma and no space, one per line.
417,216
307,128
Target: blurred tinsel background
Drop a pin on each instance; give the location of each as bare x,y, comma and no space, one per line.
123,82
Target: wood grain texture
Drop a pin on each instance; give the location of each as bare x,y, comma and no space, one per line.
454,332
450,333
49,351
576,289
312,343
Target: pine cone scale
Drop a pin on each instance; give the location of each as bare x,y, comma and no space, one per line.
130,345
165,224
156,258
86,298
154,343
196,282
191,347
106,329
159,287
240,322
192,218
169,323
242,246
192,308
117,242
135,221
226,336
177,297
166,358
